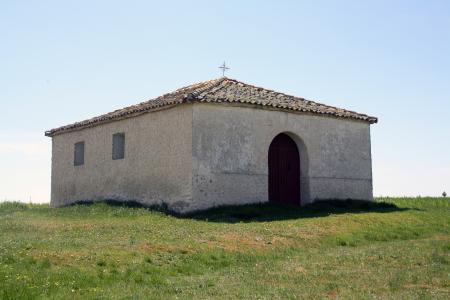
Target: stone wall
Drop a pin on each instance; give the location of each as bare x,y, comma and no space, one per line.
157,166
195,156
230,155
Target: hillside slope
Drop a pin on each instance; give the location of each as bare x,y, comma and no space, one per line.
397,248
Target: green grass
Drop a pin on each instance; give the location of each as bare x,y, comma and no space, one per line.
395,248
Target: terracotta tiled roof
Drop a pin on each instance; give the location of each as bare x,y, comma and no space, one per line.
223,90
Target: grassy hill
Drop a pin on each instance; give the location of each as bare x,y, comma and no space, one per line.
396,248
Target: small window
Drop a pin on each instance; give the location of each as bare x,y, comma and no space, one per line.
78,157
118,150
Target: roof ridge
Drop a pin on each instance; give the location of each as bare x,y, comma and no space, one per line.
209,85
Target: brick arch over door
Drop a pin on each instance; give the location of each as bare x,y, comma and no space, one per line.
284,170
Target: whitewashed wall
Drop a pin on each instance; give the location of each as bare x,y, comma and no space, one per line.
195,156
157,166
230,155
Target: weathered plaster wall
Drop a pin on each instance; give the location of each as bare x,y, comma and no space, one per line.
195,156
230,155
157,165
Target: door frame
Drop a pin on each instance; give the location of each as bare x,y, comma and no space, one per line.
282,180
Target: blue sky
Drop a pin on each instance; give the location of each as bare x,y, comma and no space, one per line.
64,61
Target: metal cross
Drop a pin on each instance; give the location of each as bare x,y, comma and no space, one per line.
224,68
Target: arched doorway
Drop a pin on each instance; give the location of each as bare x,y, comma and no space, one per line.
284,170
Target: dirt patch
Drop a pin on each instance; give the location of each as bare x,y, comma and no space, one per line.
441,238
60,257
300,270
154,248
239,242
236,242
333,294
415,286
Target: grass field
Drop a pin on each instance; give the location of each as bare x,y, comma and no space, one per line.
395,248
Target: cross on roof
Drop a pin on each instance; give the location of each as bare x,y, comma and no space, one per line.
224,68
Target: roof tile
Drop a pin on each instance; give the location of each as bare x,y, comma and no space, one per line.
218,90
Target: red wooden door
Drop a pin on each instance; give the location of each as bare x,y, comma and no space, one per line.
284,170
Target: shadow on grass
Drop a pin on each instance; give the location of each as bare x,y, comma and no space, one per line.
264,212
